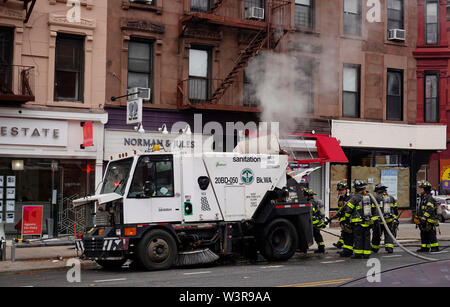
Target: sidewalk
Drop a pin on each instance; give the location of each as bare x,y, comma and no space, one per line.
55,257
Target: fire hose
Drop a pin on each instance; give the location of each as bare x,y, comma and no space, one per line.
393,237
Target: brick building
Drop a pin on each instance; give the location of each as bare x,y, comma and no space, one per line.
224,59
433,55
52,81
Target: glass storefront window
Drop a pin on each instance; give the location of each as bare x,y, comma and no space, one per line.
390,167
53,183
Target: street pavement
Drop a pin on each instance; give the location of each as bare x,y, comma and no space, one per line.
55,257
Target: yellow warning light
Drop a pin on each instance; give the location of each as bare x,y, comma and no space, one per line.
156,147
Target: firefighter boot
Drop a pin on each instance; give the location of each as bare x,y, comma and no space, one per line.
321,249
434,249
423,250
389,250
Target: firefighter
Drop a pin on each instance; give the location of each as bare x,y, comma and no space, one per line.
388,206
318,217
342,188
426,219
360,211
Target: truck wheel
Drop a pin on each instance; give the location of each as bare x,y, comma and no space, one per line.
157,250
279,240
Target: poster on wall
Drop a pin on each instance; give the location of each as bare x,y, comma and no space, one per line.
389,178
10,193
9,217
32,220
1,181
10,205
445,175
11,181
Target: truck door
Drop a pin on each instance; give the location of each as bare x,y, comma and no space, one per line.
152,196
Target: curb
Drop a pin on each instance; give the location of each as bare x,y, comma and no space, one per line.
47,267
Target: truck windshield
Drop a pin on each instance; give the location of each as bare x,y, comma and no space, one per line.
117,176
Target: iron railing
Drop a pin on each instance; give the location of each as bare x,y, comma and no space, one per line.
196,92
16,83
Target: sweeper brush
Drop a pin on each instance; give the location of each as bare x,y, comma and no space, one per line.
203,256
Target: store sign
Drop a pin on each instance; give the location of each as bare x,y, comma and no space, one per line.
445,174
32,220
33,132
117,141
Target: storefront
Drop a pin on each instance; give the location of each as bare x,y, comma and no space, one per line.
43,162
314,153
392,154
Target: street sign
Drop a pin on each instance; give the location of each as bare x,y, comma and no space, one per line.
32,220
134,111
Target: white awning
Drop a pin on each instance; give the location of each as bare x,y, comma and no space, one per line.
364,134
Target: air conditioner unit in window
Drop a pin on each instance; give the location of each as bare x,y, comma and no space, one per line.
149,2
139,92
255,13
397,35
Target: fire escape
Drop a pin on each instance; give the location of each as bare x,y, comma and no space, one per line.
264,30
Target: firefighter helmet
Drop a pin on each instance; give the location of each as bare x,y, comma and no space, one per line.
359,184
425,185
380,188
308,192
342,185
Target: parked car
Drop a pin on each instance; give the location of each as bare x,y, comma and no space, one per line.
443,208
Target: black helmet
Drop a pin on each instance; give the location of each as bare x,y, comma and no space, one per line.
308,192
359,185
425,185
342,185
380,188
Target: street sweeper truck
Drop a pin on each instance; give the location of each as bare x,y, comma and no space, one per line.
162,209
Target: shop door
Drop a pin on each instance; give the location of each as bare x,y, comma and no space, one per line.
76,179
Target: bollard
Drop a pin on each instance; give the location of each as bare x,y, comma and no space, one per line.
3,250
13,251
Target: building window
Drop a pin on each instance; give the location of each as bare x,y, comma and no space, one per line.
200,5
351,91
304,86
148,2
352,17
431,98
199,72
69,67
6,59
140,70
395,14
432,22
394,99
304,13
254,8
249,92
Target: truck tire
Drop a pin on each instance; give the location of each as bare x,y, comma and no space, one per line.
157,250
279,240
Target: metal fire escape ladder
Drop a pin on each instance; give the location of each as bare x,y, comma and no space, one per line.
216,6
242,61
262,38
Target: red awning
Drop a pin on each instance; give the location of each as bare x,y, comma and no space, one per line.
328,149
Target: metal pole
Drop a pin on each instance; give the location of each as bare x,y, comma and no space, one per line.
13,251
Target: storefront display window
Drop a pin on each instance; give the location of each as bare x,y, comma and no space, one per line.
392,168
52,183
